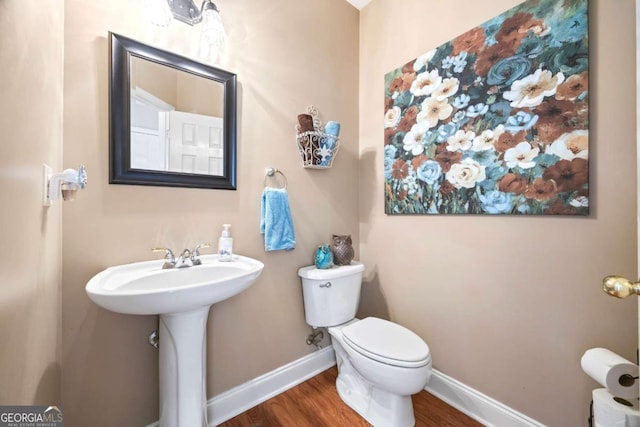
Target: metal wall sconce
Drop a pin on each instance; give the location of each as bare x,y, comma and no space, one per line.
187,12
212,36
63,184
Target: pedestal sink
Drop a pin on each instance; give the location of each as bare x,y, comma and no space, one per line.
182,297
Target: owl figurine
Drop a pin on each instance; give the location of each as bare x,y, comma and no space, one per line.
323,257
342,249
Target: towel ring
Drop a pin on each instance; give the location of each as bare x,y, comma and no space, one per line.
271,173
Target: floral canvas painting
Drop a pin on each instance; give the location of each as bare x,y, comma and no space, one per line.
494,121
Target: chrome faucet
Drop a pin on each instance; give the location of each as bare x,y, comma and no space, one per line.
195,255
168,256
186,259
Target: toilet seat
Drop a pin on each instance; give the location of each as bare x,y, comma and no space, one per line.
387,342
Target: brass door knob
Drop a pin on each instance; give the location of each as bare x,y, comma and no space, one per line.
620,287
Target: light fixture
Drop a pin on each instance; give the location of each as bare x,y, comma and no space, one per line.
158,12
212,34
213,37
63,184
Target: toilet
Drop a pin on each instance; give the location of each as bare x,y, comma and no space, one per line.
380,363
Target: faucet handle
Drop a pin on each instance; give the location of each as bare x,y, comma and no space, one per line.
168,255
195,254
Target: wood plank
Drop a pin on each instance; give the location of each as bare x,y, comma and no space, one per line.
316,403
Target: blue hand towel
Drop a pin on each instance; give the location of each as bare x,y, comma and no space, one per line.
275,220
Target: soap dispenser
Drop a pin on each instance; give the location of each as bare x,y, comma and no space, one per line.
225,244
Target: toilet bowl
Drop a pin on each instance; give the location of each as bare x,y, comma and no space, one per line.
376,379
380,363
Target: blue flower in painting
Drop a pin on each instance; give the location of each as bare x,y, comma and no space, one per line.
531,46
388,167
485,158
498,114
429,137
389,157
508,70
460,117
447,130
429,172
520,121
496,202
477,110
461,101
459,62
390,151
447,62
491,28
572,58
496,172
573,28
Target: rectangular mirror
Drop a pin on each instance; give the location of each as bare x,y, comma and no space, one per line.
172,120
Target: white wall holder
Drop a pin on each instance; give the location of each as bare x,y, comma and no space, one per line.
63,184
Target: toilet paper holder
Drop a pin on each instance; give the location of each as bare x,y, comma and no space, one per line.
627,380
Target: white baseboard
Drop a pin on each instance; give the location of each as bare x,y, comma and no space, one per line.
244,397
228,404
478,406
467,400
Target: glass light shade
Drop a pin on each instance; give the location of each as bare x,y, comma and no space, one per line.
158,12
213,37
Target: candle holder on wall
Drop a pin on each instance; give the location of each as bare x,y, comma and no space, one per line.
63,184
317,144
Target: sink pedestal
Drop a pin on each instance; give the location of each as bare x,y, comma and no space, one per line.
182,297
182,346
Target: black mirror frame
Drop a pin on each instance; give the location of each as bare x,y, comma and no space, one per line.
120,172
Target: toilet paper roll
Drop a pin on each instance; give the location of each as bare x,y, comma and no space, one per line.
609,413
606,367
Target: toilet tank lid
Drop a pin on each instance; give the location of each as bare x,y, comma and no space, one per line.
387,340
312,272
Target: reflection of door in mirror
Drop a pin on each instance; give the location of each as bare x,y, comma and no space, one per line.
176,120
195,143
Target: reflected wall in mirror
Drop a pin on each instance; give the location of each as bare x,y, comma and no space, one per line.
172,120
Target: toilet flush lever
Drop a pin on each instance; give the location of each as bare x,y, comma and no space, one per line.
326,285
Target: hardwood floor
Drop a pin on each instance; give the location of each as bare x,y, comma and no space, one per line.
315,403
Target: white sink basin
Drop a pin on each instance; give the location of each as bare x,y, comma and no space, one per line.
182,297
145,288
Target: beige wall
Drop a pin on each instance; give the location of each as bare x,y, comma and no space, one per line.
31,59
158,80
508,305
522,302
279,50
200,96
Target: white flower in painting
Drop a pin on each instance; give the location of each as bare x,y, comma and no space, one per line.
521,155
531,90
572,145
461,140
487,139
425,83
410,184
413,139
580,202
447,88
392,117
432,111
466,173
423,60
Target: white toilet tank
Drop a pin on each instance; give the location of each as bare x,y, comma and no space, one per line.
331,296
